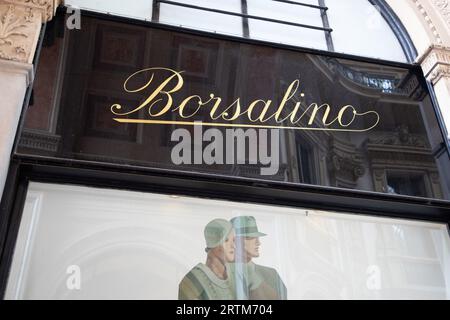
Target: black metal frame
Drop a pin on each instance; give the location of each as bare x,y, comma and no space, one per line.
387,13
24,169
12,187
157,25
59,171
326,24
155,11
246,17
320,6
440,118
245,26
242,15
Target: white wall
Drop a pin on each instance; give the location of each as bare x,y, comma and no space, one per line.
138,245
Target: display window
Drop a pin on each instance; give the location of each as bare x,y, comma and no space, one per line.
88,243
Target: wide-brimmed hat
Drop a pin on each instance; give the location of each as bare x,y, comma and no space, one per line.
245,226
216,231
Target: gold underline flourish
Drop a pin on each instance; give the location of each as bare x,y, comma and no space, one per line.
235,125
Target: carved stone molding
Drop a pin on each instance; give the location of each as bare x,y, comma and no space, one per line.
46,8
436,63
345,163
20,25
444,8
39,141
402,137
429,21
19,30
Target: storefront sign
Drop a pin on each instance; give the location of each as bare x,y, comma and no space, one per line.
258,114
217,105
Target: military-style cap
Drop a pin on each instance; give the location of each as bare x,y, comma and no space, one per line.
245,226
216,232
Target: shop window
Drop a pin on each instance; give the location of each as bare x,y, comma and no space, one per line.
86,243
124,244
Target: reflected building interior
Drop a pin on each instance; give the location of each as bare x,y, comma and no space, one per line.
70,114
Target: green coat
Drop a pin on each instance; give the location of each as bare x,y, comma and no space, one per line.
202,284
247,277
271,277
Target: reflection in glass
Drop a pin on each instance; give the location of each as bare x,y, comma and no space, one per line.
71,114
409,184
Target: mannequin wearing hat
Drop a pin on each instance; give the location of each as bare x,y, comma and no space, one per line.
210,281
253,281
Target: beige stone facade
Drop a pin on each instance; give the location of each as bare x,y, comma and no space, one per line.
20,26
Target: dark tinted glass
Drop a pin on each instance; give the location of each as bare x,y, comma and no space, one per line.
390,145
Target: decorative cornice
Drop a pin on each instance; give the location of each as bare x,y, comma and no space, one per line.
47,8
428,20
402,137
444,8
345,162
40,141
18,29
20,25
436,63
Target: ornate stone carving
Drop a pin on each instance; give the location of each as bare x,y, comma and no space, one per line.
436,63
402,137
345,163
402,153
39,141
17,33
47,8
10,26
20,24
428,20
444,9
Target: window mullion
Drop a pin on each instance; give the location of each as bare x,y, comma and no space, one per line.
326,25
245,26
155,11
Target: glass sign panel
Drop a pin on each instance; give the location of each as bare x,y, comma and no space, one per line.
154,98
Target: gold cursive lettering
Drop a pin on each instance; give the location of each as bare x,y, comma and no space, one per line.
160,101
158,90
